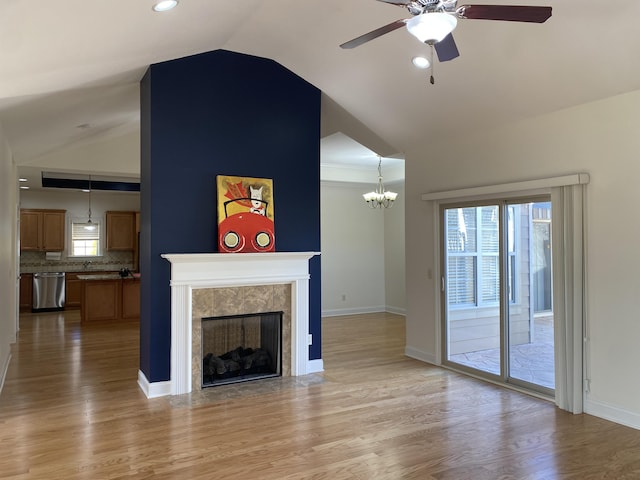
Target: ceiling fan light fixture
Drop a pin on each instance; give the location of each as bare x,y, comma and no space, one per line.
430,28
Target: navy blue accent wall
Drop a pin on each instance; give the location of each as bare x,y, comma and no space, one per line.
221,113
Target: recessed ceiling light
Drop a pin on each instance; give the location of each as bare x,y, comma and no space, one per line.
420,62
165,5
24,187
23,180
85,190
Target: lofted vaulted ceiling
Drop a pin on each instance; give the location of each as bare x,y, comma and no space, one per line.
69,71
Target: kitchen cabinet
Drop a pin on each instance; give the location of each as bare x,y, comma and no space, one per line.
101,300
26,291
73,291
131,298
42,230
109,297
121,230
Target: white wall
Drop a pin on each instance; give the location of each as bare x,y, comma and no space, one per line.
118,156
599,138
8,273
355,261
76,203
394,256
352,242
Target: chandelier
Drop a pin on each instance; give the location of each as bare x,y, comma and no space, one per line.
380,198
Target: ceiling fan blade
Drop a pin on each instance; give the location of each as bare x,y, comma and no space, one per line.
396,2
447,49
378,32
510,13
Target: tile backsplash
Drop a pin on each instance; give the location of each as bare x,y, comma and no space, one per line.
31,262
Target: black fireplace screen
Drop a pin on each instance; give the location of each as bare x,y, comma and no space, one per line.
238,348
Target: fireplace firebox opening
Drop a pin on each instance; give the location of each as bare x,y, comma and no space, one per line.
240,348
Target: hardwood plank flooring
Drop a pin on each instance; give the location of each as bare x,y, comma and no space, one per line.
71,409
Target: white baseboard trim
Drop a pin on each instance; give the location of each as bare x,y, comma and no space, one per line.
420,355
351,311
362,310
155,389
3,372
315,366
397,310
612,413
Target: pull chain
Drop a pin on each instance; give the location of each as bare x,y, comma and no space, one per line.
431,78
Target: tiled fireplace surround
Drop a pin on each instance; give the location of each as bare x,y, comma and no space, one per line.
216,302
211,285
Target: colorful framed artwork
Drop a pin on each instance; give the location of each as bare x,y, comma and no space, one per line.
245,214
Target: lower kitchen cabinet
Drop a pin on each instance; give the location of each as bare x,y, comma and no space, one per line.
73,291
131,298
109,299
26,291
101,300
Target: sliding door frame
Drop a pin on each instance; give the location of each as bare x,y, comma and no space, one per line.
502,202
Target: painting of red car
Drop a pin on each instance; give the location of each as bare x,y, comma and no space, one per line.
245,214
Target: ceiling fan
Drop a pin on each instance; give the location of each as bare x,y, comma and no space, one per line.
434,20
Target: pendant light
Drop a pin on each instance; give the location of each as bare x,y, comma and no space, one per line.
380,198
90,225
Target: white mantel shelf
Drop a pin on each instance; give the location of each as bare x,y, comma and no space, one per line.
203,270
217,270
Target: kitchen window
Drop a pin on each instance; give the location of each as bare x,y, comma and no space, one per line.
85,239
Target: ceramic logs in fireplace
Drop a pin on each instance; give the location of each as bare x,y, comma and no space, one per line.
239,348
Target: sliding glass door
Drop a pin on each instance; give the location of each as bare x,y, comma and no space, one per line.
496,289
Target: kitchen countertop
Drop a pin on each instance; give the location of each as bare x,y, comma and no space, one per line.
104,276
99,276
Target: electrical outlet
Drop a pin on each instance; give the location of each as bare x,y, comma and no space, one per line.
310,339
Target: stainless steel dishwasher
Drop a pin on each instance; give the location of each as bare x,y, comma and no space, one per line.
48,291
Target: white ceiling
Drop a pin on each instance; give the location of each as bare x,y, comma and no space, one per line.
69,70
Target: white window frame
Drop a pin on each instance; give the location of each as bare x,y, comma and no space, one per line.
96,221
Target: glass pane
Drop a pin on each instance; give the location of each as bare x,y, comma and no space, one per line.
490,279
85,248
490,232
461,283
531,350
461,230
472,269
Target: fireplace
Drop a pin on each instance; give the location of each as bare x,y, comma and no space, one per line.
241,348
219,284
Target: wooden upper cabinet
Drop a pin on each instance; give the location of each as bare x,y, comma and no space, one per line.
121,230
30,230
42,230
53,231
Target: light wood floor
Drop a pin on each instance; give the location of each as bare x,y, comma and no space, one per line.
71,409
